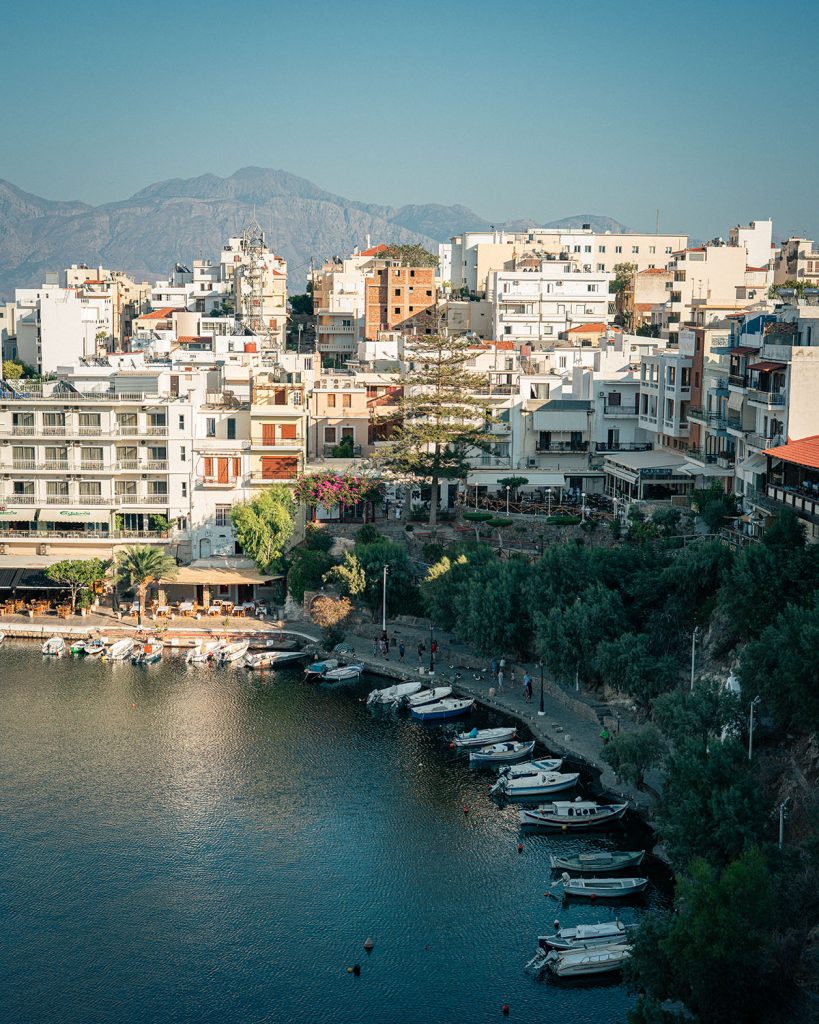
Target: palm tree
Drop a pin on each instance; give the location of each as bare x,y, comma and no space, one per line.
142,564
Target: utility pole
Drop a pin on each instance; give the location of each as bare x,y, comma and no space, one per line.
754,703
541,712
384,601
782,808
694,638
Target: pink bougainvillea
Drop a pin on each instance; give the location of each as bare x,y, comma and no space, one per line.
330,489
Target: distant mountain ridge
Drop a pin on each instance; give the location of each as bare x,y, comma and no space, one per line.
186,218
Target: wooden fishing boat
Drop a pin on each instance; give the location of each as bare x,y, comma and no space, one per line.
534,786
577,816
450,707
483,737
602,860
586,936
120,649
512,750
602,888
393,694
54,646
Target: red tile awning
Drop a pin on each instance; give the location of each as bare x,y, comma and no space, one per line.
766,366
804,452
744,350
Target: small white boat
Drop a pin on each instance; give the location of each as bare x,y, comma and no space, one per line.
589,863
271,659
518,771
147,653
280,658
203,651
424,697
602,888
94,648
2,637
343,674
585,936
120,649
583,962
512,750
449,707
572,816
318,668
393,694
483,737
232,652
55,645
78,647
531,786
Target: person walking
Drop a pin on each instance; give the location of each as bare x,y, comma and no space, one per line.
527,687
401,651
376,647
421,649
500,680
493,667
512,678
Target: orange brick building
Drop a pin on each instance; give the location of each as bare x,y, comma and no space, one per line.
399,298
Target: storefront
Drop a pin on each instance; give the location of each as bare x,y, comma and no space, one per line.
647,476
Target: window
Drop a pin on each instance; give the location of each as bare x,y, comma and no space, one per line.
591,287
396,309
348,432
157,419
635,249
507,329
231,428
601,248
587,248
614,398
577,248
23,487
90,489
347,401
397,291
429,293
618,248
210,426
90,422
601,267
181,422
53,419
652,249
92,455
57,488
330,435
668,250
125,488
561,362
56,458
158,488
331,401
183,454
184,488
222,515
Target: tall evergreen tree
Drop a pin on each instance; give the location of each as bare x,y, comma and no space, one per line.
442,420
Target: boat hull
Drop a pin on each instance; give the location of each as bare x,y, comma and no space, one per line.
533,790
604,889
591,865
515,752
436,712
484,738
553,822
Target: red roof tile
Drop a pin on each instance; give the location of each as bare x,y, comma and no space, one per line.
803,453
595,328
374,250
655,270
158,314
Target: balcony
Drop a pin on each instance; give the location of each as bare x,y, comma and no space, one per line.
215,483
763,441
73,499
23,431
19,499
161,431
157,465
278,442
140,499
54,431
335,328
25,464
127,465
702,456
127,430
341,451
92,464
624,446
90,431
575,447
767,398
55,464
697,413
738,380
620,410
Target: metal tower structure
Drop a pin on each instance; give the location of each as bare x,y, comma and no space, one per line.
253,279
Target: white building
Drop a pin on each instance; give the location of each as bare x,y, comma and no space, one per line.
57,325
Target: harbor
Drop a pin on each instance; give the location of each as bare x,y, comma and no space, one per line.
262,829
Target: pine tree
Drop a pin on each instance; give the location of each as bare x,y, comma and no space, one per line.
442,420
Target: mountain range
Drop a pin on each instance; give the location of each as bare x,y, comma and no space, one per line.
184,219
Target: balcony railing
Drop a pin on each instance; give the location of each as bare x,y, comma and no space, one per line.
738,380
701,455
127,429
141,499
19,499
25,464
562,446
54,431
55,464
156,464
623,446
90,431
341,451
213,481
19,431
766,397
161,431
94,464
620,410
278,442
128,465
762,441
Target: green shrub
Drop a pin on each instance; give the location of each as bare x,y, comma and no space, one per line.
368,534
563,520
317,538
432,552
307,571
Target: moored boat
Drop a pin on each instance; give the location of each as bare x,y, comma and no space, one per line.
147,653
317,669
206,650
423,697
585,936
55,645
77,648
393,694
584,962
602,888
232,652
94,648
544,764
272,659
343,674
512,750
2,637
450,707
602,860
534,786
483,737
570,816
120,649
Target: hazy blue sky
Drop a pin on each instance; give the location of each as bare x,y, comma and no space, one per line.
516,109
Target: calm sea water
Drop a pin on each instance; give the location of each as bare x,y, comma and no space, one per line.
199,845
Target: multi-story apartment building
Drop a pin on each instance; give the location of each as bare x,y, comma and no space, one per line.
797,260
128,298
665,395
476,254
542,299
278,430
57,325
399,297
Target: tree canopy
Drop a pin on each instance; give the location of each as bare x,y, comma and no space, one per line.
409,255
77,575
140,565
264,525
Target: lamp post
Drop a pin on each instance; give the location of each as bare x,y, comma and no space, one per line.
476,497
541,712
754,703
507,499
583,507
694,638
384,601
431,652
782,808
549,500
300,328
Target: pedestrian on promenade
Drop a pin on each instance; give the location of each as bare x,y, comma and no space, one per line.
527,686
401,651
512,678
502,664
500,680
421,649
376,647
604,735
433,646
493,666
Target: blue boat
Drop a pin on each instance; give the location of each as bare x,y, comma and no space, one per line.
451,707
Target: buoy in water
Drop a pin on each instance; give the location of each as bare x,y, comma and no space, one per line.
357,970
520,847
505,1009
452,744
556,925
466,809
369,945
564,828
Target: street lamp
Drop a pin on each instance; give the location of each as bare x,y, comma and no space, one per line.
507,499
754,703
694,638
541,712
300,328
782,808
384,602
431,651
582,506
549,499
476,497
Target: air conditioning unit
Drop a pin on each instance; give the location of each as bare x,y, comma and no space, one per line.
43,549
4,549
601,394
531,463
